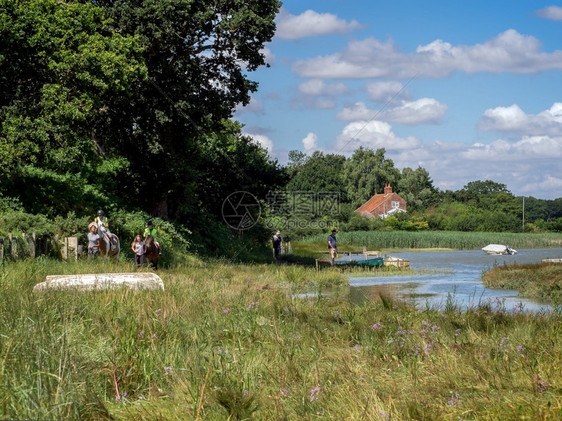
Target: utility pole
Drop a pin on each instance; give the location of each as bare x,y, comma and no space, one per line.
523,213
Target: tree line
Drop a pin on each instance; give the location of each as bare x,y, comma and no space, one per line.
478,206
127,106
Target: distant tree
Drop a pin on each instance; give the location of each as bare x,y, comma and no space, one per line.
317,173
416,188
475,190
366,173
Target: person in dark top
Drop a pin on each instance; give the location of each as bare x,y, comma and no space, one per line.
277,242
332,246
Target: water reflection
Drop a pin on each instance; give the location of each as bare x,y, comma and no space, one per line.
457,280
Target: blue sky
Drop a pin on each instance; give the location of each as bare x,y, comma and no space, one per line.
467,90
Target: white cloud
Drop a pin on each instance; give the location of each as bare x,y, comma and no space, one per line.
358,111
262,140
509,51
550,12
548,183
372,134
310,142
269,56
528,148
254,106
421,111
319,87
514,119
530,166
387,91
312,24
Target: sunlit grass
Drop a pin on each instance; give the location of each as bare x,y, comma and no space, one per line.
229,341
541,281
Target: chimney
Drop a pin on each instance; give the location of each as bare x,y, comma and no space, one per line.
387,188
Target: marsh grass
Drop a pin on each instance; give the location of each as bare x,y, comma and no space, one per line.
385,240
232,342
542,281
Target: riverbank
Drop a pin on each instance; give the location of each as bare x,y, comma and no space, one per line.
542,281
234,341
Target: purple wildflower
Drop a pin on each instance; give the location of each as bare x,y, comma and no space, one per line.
253,306
376,326
226,310
168,370
314,393
455,399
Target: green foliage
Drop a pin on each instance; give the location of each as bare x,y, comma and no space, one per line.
316,173
61,64
366,173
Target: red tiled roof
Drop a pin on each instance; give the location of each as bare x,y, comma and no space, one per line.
374,202
380,199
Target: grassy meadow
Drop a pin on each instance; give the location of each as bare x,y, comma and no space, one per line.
227,341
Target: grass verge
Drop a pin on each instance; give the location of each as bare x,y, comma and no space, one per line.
226,341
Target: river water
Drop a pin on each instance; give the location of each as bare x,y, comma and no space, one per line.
455,276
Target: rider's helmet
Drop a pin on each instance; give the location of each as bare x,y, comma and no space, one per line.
100,213
149,223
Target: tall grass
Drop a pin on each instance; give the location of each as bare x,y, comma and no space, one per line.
234,342
441,239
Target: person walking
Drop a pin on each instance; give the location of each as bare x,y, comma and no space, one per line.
138,248
332,246
93,242
277,244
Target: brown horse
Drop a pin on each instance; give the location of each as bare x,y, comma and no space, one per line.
113,251
151,252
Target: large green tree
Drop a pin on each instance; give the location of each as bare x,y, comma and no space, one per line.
198,55
130,101
366,173
416,188
60,64
316,172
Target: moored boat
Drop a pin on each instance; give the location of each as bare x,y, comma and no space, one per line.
396,261
498,249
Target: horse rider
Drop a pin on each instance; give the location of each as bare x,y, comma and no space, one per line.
103,227
150,230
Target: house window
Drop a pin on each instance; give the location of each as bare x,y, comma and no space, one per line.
395,205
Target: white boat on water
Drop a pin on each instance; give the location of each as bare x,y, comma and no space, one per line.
396,261
499,249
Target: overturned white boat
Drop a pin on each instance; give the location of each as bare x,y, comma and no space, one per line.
499,249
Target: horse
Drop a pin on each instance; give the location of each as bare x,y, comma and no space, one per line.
115,246
151,253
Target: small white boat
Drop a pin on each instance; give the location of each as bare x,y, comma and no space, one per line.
396,261
498,249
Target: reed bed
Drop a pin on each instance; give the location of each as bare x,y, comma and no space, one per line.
440,239
236,342
541,281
